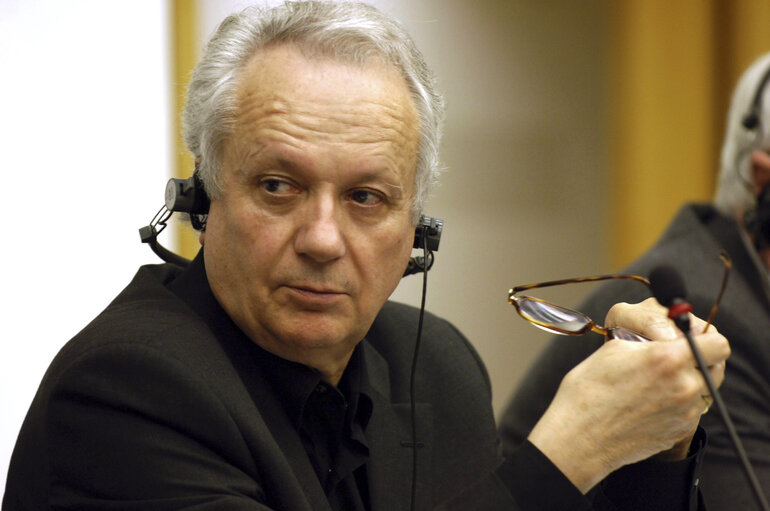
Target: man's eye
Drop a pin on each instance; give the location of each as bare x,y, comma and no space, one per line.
275,186
366,197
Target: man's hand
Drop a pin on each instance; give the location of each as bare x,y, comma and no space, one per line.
630,400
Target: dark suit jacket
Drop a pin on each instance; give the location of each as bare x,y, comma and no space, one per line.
691,244
157,404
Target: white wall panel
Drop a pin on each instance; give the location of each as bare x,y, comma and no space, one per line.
84,144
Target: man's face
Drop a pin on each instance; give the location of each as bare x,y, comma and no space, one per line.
313,229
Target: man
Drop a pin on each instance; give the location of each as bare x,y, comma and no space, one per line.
691,244
272,373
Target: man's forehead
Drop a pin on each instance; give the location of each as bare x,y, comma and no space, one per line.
287,64
285,101
279,81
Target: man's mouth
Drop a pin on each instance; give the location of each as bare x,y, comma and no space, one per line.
315,296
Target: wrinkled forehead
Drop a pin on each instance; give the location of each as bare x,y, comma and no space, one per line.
360,60
282,73
284,95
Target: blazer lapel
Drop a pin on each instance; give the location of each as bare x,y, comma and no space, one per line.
389,434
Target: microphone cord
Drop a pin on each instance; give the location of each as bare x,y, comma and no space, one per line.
682,322
413,375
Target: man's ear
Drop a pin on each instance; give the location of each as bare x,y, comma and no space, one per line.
760,168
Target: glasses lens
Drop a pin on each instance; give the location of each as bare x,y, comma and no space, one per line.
552,317
624,334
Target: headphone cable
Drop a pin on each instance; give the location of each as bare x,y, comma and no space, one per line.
413,376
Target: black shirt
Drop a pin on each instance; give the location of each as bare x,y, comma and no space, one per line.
331,422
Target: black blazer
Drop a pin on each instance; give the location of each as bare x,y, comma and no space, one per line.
156,406
148,408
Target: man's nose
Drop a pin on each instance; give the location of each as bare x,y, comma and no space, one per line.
320,236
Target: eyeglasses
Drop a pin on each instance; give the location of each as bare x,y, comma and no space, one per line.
561,320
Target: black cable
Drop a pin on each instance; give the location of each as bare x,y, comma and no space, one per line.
149,234
166,254
413,376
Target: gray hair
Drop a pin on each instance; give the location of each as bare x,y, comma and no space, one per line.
348,32
735,192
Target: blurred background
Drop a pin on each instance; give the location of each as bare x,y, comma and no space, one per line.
575,130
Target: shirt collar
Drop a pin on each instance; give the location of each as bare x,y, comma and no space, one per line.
296,383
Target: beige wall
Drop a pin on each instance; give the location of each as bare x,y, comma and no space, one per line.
523,196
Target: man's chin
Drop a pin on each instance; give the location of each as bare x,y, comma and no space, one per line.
311,334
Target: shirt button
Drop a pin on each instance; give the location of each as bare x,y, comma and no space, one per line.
321,389
697,482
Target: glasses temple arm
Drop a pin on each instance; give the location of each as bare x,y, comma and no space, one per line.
561,282
728,263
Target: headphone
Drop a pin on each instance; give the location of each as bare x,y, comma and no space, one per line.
757,219
189,196
751,120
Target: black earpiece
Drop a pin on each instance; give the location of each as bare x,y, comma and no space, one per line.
427,235
188,196
182,195
751,120
428,232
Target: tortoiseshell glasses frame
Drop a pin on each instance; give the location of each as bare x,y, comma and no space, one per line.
564,321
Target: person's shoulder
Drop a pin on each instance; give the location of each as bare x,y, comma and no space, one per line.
442,346
144,316
398,319
149,286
